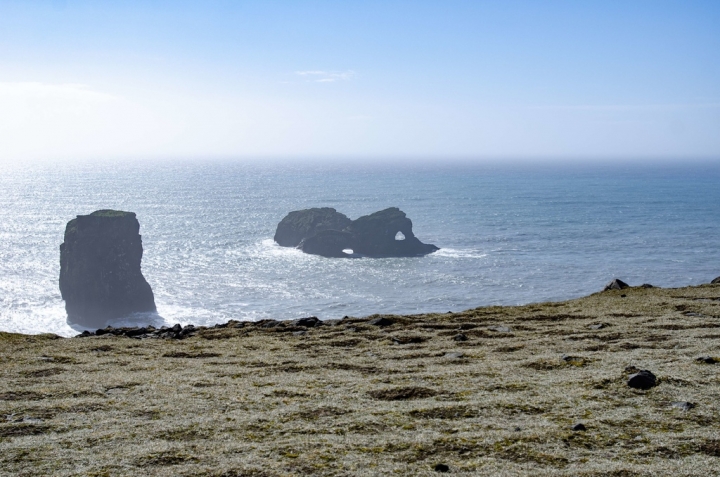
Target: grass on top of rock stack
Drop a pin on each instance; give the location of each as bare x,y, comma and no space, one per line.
353,398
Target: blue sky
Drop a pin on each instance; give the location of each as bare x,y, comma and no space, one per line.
478,80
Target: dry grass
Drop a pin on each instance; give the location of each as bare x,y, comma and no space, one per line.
353,399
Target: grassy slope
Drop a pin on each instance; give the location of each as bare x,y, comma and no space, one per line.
259,402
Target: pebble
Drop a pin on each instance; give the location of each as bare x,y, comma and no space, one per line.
598,326
442,468
706,360
456,355
500,329
579,427
460,337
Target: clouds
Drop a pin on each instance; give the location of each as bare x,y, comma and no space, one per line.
320,76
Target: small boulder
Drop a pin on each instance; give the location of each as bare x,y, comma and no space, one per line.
460,337
716,281
706,360
500,329
616,284
441,468
642,380
579,427
381,322
309,322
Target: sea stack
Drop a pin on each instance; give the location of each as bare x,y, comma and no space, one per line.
100,276
328,233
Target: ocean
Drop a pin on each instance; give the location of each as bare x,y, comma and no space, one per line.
508,234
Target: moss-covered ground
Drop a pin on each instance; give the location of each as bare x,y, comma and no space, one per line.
350,398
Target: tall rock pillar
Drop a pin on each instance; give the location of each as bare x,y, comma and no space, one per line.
100,276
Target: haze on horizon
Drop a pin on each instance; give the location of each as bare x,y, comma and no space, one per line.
474,79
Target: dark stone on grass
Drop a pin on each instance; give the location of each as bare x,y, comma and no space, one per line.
441,468
616,284
642,380
309,322
646,285
579,427
460,337
100,275
716,281
706,360
382,322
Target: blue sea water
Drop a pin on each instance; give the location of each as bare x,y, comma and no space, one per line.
509,234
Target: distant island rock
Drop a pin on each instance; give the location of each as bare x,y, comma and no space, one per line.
100,276
327,232
302,224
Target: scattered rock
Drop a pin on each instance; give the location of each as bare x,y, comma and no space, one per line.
100,276
682,405
643,379
455,355
707,360
309,322
382,322
500,329
441,468
300,333
716,281
597,326
517,429
460,337
579,427
646,285
616,284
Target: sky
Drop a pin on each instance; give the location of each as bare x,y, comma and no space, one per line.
575,80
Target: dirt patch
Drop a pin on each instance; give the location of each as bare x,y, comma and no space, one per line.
402,394
183,354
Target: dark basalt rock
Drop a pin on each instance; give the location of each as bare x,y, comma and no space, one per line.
616,284
100,276
642,380
329,233
716,281
328,243
374,235
302,224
